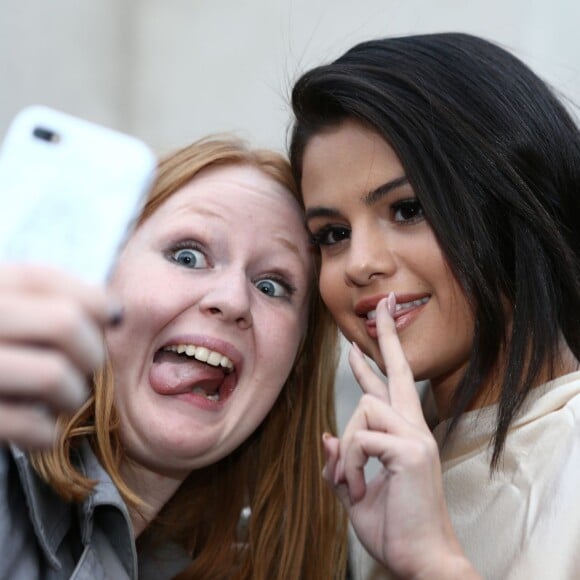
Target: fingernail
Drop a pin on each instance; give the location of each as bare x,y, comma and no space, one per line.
356,347
391,303
338,473
325,438
115,315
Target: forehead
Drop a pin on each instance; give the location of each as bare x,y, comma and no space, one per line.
239,204
233,187
349,156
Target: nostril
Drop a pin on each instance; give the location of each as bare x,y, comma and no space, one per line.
214,310
244,322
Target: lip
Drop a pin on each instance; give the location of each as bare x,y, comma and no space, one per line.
402,318
364,306
201,401
231,380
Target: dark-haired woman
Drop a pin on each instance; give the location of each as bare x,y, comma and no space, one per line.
441,180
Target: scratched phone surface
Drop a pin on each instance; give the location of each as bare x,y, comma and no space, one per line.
70,203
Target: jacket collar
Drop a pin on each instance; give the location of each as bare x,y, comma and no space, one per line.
51,516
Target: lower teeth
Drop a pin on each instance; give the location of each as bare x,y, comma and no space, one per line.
200,391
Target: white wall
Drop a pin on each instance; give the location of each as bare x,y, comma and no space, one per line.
70,54
172,70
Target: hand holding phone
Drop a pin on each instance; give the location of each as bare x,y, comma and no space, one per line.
69,192
50,342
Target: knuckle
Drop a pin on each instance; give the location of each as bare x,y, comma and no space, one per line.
422,450
359,439
367,401
68,320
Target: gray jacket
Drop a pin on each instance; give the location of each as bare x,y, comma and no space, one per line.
44,537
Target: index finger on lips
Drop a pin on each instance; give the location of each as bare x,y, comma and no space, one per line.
401,385
365,376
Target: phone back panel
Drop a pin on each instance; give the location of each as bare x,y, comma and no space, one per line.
69,191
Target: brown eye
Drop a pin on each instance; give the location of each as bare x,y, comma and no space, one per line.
408,211
330,235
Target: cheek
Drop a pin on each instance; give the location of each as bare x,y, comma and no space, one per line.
280,348
121,346
456,310
331,289
130,344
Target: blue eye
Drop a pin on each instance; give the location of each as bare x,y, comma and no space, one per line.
190,258
274,288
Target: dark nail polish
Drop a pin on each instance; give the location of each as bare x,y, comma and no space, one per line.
116,317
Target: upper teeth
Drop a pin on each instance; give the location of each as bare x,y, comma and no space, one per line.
203,354
401,306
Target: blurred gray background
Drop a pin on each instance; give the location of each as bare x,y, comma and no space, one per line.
170,71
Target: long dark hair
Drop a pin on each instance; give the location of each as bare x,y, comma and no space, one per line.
494,159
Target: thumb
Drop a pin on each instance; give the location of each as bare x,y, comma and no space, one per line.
331,447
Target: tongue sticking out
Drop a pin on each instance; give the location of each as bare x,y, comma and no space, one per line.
173,375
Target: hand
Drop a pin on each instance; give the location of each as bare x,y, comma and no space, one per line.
401,515
50,341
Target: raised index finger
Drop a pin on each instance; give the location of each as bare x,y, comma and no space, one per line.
365,376
401,385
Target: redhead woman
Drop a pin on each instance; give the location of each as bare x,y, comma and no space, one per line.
194,451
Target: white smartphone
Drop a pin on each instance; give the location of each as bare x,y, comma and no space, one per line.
70,191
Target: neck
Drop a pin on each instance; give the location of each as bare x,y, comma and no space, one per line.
154,489
489,393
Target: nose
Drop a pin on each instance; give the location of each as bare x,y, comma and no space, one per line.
230,299
369,257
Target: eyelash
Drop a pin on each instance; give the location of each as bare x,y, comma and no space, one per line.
185,245
290,288
321,237
411,203
192,245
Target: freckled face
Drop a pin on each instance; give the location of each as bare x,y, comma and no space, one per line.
224,264
374,239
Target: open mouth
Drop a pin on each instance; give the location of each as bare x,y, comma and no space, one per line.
192,369
202,354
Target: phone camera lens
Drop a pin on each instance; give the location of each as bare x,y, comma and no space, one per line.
46,135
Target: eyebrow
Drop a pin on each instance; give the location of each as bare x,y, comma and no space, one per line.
288,244
376,194
368,199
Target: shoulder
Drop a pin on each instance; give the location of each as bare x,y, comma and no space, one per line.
19,553
12,495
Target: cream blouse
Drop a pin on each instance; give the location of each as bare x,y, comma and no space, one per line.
523,522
